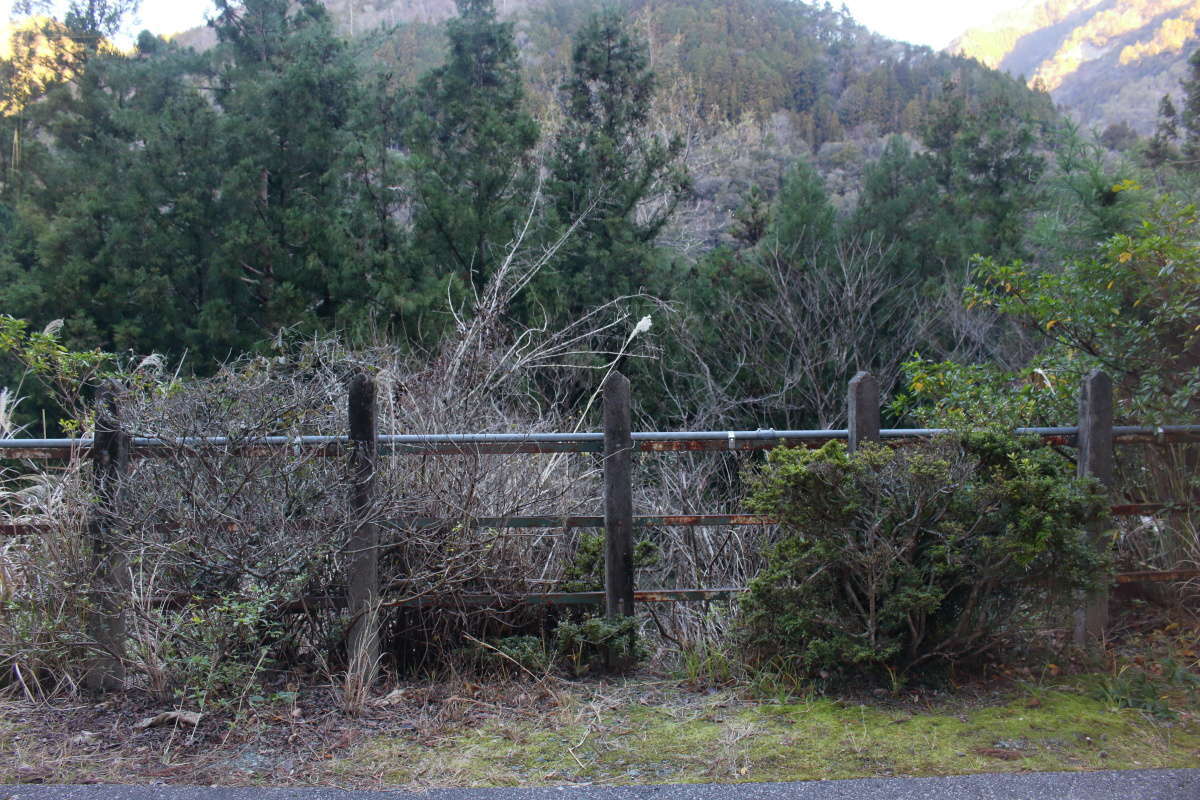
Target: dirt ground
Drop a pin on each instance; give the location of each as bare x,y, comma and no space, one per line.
1137,707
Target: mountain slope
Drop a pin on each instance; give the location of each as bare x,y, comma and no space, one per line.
1108,61
750,85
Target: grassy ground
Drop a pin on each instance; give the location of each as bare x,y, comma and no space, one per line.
1140,710
640,732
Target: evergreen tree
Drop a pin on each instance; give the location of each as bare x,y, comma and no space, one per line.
1161,149
374,218
286,86
606,164
1189,115
894,209
753,217
163,218
470,140
118,233
984,162
803,222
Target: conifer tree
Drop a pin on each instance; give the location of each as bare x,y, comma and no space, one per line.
1161,147
803,221
607,164
896,209
470,139
1190,114
286,86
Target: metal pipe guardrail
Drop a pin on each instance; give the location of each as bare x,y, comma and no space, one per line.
514,443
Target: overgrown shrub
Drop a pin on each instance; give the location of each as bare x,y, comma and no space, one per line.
598,643
513,655
897,559
230,556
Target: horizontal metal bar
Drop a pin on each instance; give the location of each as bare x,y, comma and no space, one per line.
1138,509
514,443
571,598
485,448
585,521
1158,576
590,521
485,599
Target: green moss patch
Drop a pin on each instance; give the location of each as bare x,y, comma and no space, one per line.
690,738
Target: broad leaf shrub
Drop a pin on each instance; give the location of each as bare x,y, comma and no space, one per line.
913,558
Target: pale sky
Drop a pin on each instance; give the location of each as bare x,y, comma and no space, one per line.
931,22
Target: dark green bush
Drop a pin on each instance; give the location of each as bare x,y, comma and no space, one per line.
894,559
585,572
585,641
598,643
513,654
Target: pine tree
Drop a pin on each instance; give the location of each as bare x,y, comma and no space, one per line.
751,220
896,209
118,234
470,140
1190,114
286,85
802,226
986,167
606,164
1161,147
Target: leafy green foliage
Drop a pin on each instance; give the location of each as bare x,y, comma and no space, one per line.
514,654
585,573
211,654
907,559
968,396
1133,686
64,375
592,641
1130,307
598,643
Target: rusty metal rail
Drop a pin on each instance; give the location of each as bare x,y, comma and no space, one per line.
475,444
502,601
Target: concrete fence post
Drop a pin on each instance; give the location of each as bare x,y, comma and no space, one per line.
110,570
862,410
618,497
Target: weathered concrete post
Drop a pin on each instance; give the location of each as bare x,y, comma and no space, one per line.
1095,459
618,497
362,584
862,410
110,571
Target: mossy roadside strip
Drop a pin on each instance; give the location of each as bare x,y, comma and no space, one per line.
635,733
640,730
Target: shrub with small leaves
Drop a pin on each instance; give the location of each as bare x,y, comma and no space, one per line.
892,560
514,654
598,643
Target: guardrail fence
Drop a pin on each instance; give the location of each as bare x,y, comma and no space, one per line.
111,450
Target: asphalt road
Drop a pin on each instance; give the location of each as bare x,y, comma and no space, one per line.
1176,784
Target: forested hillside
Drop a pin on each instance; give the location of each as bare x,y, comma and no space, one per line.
1108,61
752,84
664,215
764,168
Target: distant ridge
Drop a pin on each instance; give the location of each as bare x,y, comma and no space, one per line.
1107,61
358,16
